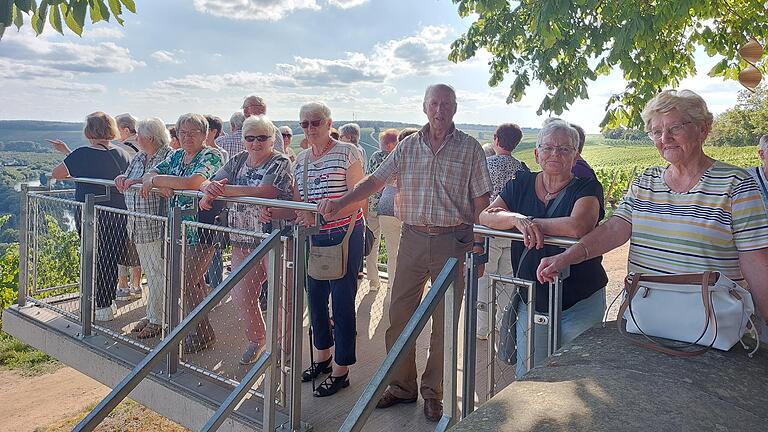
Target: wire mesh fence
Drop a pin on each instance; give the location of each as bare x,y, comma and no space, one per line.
231,338
130,303
53,236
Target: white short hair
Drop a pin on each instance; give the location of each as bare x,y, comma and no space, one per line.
259,122
154,128
126,121
236,121
555,124
763,143
197,120
351,130
688,103
315,108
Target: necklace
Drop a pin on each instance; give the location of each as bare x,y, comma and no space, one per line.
322,152
549,195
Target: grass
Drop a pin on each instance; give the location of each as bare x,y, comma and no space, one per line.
14,355
128,416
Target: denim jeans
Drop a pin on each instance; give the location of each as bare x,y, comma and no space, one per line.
574,321
343,292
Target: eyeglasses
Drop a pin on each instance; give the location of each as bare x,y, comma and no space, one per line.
253,106
259,138
673,130
192,133
565,151
286,135
315,123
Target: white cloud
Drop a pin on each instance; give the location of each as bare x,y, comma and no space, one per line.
387,90
346,4
24,49
269,10
103,33
164,56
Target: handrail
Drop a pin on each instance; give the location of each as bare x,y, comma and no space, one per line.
407,339
514,235
293,205
142,369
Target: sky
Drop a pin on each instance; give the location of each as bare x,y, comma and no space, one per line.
367,59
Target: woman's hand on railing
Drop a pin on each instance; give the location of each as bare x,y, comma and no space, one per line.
120,183
531,231
305,218
551,266
215,188
328,207
206,202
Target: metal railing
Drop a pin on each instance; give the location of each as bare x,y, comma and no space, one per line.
552,319
444,287
278,246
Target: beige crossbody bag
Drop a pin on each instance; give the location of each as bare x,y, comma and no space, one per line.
327,262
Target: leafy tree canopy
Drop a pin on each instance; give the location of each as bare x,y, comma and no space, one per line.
744,124
567,43
59,12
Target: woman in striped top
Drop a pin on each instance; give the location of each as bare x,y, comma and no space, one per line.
695,214
333,168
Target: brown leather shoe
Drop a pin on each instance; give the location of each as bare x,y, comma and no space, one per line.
433,409
388,399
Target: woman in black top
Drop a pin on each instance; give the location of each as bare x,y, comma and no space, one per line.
100,160
530,203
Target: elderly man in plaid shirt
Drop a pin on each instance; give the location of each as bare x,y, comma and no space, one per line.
233,143
443,185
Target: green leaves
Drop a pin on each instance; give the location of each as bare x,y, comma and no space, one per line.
59,12
564,44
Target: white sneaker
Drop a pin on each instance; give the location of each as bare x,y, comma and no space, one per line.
135,292
123,294
105,314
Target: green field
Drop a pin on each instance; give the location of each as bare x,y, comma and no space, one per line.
617,162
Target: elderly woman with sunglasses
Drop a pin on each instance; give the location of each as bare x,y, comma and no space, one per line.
332,168
696,214
263,172
552,203
184,169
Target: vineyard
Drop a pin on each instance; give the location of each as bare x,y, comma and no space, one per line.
617,162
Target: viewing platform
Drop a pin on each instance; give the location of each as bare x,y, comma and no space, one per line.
597,382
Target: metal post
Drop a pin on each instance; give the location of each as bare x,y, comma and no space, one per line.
450,357
174,270
88,225
491,368
470,341
529,363
285,293
299,281
23,246
35,248
555,313
273,344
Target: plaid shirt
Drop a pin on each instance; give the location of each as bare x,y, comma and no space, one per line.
233,143
142,230
436,189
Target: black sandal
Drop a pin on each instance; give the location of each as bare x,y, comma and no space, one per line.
316,369
331,385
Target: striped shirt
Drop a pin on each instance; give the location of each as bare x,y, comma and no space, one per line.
142,230
437,188
702,229
327,176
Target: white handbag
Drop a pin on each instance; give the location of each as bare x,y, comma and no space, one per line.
706,309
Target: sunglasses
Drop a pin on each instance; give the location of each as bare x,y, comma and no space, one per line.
286,135
259,138
315,123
